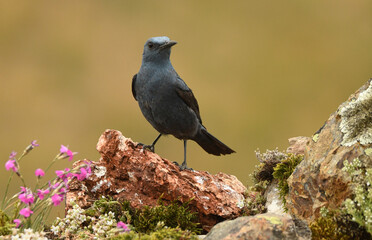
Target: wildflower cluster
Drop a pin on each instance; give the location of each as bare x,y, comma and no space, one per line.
360,207
104,224
71,224
28,234
77,221
42,197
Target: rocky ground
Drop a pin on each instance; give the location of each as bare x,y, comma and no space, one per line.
126,172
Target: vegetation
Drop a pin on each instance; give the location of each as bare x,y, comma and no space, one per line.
282,171
159,233
360,205
255,199
102,220
337,225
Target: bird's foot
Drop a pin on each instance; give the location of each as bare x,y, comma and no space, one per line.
183,166
148,147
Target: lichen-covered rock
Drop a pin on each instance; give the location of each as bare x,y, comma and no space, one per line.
318,180
261,226
127,172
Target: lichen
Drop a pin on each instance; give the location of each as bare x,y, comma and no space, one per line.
282,171
316,137
100,171
368,151
359,206
272,219
356,119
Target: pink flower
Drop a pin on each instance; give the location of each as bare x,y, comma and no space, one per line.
27,197
10,164
123,226
26,212
17,222
55,185
34,144
62,190
57,199
67,151
84,173
41,193
12,155
39,172
64,175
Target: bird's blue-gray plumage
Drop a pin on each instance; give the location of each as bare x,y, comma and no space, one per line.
167,102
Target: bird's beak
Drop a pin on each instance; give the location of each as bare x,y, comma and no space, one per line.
168,44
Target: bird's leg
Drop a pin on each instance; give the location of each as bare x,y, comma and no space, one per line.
152,146
184,164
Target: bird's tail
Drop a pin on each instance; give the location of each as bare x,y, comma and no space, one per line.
211,144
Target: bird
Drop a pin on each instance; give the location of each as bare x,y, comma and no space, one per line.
167,103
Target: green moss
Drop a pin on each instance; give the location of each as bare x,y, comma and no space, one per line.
5,224
268,160
255,199
283,170
174,215
163,233
337,225
145,220
101,219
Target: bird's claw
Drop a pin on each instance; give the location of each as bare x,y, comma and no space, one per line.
148,147
183,166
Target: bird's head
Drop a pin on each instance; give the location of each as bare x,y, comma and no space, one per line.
157,49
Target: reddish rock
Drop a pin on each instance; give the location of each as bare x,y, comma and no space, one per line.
319,180
126,172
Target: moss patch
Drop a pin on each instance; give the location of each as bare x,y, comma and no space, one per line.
163,233
5,224
283,170
337,226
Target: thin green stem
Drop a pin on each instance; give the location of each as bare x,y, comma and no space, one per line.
10,179
6,190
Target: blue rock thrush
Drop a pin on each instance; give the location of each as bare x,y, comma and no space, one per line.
168,103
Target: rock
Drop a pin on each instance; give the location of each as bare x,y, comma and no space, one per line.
126,172
261,226
273,202
297,145
318,180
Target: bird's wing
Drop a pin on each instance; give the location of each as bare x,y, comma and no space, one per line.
188,97
133,83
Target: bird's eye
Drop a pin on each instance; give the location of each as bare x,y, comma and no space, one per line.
151,45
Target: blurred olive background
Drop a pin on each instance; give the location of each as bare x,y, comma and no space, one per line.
262,71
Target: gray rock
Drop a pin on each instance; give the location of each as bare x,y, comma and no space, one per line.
261,226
